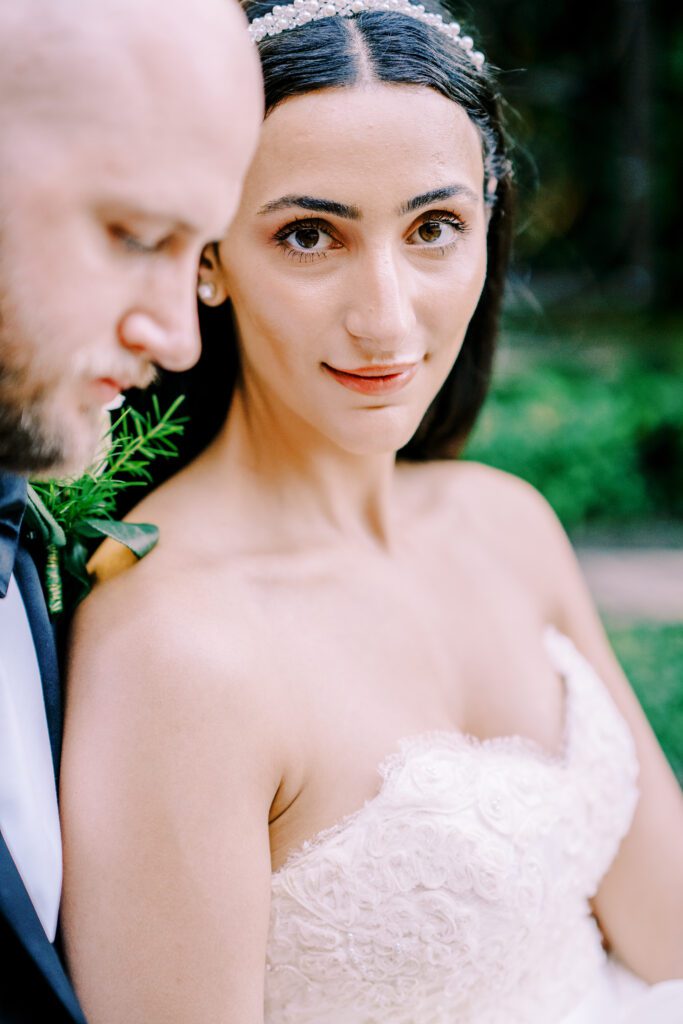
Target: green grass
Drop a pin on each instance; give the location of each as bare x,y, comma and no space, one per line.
652,657
593,418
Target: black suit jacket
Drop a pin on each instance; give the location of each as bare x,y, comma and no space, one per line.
34,988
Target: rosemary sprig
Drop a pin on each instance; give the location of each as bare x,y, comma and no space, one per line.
70,517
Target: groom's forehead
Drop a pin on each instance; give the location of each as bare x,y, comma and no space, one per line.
99,112
69,57
128,97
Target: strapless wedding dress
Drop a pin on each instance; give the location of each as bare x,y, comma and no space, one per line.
460,893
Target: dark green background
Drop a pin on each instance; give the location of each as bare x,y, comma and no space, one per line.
587,399
598,90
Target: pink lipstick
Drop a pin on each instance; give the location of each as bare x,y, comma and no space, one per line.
375,380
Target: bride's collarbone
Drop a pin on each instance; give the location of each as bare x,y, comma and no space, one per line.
364,625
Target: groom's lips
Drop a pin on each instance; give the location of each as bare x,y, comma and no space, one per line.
107,389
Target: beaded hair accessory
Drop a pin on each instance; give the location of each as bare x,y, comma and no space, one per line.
300,12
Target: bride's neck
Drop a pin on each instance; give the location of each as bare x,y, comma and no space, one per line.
297,484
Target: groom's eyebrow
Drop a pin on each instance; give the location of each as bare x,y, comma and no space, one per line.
313,204
163,219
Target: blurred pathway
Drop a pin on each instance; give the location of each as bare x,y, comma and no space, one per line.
635,583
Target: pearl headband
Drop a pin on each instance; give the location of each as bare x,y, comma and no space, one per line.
293,15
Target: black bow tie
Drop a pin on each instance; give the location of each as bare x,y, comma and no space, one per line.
12,505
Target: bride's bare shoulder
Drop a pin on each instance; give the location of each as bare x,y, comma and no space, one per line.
180,613
156,651
484,496
176,509
501,495
152,618
507,518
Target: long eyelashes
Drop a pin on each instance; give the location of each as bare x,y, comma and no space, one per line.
301,256
440,217
311,225
314,226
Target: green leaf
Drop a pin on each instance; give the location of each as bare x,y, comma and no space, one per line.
75,560
140,538
70,515
43,520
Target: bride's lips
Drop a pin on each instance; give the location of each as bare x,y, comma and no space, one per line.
375,380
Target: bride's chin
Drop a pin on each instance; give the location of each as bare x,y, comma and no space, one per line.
380,434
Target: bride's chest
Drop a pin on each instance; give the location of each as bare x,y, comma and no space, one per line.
453,886
362,665
402,631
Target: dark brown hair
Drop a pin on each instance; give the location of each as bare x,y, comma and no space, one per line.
392,48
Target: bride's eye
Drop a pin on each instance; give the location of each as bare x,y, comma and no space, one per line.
437,231
306,239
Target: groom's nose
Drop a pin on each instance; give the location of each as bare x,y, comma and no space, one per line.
165,327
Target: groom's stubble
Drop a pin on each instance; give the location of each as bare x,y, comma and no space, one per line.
124,137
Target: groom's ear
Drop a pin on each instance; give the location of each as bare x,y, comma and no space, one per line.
210,283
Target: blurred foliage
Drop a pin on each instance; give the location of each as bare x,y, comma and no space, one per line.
596,91
652,657
598,428
587,402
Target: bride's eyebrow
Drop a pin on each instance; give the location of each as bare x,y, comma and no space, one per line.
316,205
437,195
313,204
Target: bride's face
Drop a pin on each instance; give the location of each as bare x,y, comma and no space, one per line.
356,260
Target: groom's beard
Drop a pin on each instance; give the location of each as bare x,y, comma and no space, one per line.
29,439
48,425
32,438
24,444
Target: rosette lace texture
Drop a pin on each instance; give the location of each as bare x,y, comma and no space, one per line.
460,893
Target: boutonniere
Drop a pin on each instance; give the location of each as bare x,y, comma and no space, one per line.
69,518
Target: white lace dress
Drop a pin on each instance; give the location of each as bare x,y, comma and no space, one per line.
460,893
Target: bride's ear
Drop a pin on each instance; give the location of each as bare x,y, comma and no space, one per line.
210,283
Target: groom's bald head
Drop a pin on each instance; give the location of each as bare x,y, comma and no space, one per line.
56,52
125,132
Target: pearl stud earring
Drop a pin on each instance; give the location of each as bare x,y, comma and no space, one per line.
206,290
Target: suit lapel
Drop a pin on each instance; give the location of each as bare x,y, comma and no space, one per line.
15,903
42,629
16,906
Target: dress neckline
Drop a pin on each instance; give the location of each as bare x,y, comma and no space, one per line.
563,655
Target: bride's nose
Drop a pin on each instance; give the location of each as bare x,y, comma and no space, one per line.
380,310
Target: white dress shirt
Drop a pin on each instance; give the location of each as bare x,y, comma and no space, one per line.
29,819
